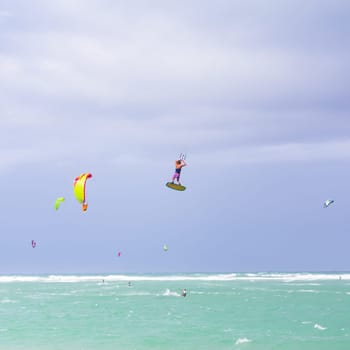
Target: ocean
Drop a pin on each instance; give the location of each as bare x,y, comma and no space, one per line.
247,311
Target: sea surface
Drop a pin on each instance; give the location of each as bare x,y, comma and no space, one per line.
256,311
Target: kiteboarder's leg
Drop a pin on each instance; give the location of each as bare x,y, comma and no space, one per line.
175,177
178,180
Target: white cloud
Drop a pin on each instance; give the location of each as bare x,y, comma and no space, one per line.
119,55
4,13
150,79
12,158
281,153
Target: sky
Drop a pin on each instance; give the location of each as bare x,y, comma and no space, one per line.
255,93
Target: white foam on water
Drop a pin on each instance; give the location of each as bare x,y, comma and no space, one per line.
300,284
228,330
6,301
242,341
321,328
285,277
169,293
136,294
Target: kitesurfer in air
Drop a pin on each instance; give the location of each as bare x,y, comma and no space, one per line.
179,164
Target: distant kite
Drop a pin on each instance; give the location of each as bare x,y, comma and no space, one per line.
165,248
119,254
327,203
33,244
79,189
58,202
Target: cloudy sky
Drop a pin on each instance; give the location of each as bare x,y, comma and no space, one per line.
256,93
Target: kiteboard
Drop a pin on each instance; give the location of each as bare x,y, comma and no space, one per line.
175,186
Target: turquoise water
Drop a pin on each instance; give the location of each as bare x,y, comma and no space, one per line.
220,311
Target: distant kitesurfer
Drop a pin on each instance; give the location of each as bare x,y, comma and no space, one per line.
179,164
327,203
184,292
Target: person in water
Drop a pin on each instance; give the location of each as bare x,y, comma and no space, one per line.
179,164
184,292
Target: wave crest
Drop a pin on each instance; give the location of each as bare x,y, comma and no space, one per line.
284,277
242,341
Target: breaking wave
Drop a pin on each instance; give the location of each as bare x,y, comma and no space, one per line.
242,341
285,277
321,328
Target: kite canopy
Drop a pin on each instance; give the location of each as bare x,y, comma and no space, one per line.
79,189
327,203
165,247
58,202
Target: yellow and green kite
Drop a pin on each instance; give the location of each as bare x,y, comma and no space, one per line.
79,189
